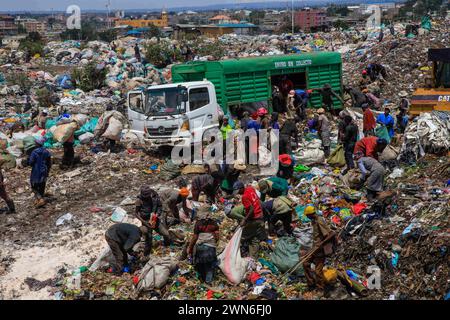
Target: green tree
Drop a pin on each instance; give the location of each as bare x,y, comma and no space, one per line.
340,24
108,35
153,32
158,54
90,77
256,17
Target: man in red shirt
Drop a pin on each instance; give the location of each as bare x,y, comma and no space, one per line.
253,225
369,122
370,146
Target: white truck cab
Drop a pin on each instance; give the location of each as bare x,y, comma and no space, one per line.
171,113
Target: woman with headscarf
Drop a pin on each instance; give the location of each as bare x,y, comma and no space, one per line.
202,248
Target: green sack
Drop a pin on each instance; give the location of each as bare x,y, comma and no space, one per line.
337,157
238,212
50,123
282,205
89,126
7,161
382,132
28,143
285,255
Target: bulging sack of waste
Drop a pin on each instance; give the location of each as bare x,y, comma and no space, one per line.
310,156
63,132
80,118
7,161
285,255
389,153
337,158
155,273
86,137
114,129
230,261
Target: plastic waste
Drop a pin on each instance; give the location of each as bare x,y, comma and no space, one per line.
64,218
119,215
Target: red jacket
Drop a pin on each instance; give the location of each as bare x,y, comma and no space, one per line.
367,146
369,122
250,198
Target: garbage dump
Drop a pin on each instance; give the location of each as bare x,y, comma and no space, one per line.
353,213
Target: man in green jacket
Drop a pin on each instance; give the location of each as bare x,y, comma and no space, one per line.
273,187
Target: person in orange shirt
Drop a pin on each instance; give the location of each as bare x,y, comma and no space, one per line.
369,122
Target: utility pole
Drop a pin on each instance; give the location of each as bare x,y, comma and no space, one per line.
107,14
292,17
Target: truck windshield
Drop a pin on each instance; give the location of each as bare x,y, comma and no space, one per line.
167,101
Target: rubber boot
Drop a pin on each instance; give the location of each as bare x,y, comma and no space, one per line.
11,206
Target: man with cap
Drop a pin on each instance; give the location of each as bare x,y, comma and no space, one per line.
279,209
327,96
373,172
320,249
41,162
149,212
121,238
369,122
323,125
385,119
375,70
207,183
404,102
285,167
277,100
253,223
170,200
202,247
273,187
402,120
370,146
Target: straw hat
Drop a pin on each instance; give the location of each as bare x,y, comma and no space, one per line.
321,111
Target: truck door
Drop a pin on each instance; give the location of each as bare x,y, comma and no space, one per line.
202,109
136,113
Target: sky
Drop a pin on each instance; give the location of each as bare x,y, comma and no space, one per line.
60,5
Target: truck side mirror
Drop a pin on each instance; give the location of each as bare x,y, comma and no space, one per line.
184,96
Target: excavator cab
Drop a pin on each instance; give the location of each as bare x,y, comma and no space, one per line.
437,94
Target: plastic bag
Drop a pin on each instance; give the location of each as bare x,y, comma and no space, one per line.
80,118
382,132
114,129
29,143
155,273
89,126
285,255
337,157
103,260
230,261
64,131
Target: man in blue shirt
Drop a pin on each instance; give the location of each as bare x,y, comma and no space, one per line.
387,120
302,97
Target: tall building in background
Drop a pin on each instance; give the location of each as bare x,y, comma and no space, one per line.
7,26
308,19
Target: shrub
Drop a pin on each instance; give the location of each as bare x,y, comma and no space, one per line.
89,77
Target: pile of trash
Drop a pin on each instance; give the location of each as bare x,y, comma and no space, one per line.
428,133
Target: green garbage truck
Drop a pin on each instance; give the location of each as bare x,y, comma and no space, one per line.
202,90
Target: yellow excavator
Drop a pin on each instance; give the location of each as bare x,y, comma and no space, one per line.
437,95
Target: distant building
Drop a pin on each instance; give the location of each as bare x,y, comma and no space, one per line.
213,31
142,23
221,19
12,42
35,26
311,19
7,26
